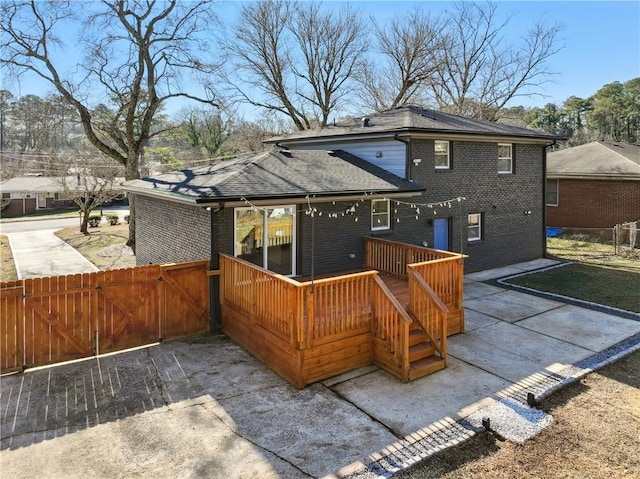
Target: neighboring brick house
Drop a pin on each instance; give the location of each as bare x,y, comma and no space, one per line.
27,194
596,185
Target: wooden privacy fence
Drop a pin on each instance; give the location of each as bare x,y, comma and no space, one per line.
60,318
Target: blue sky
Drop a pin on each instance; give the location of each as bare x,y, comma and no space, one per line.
600,40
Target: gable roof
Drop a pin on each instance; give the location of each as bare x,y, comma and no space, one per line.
595,160
414,119
35,184
272,175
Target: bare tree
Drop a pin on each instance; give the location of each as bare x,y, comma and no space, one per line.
477,73
139,55
409,46
89,188
295,58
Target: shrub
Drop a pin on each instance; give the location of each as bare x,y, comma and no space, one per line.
94,221
126,218
113,219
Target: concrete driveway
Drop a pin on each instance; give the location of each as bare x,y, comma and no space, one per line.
202,407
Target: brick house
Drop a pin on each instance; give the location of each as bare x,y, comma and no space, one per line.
596,185
480,188
498,170
28,194
387,194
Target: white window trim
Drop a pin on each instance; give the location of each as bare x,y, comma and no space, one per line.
479,237
510,158
375,215
557,192
264,224
448,165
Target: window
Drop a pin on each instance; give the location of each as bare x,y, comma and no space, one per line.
380,215
441,149
474,225
552,192
6,196
505,163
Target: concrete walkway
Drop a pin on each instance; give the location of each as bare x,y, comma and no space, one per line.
203,407
42,253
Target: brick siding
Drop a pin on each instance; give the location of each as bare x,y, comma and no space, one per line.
595,203
172,232
168,232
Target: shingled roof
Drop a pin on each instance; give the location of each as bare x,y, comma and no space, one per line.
405,119
275,175
595,160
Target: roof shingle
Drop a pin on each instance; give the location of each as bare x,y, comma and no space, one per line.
276,174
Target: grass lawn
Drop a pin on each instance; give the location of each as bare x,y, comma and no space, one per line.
7,267
598,284
594,434
597,275
105,246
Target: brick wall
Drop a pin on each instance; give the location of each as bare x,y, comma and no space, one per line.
595,203
169,232
509,235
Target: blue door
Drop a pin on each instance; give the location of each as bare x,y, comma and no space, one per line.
441,233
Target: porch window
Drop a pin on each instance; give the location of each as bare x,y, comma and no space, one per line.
380,215
552,192
474,226
441,149
505,158
6,196
266,237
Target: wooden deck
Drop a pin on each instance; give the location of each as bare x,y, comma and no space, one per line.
397,314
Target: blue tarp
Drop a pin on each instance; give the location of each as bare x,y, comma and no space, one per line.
553,232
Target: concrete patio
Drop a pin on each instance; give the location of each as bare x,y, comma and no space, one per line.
203,407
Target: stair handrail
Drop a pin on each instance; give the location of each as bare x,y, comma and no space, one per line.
401,351
442,311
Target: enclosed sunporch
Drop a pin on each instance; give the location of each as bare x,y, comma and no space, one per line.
396,313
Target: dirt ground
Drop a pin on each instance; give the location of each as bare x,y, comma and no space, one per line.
595,434
7,266
105,246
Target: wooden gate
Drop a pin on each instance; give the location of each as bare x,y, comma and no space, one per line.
59,318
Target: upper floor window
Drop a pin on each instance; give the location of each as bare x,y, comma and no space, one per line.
505,158
552,192
380,215
441,149
474,226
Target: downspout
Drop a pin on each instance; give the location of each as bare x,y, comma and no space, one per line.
407,159
215,318
544,198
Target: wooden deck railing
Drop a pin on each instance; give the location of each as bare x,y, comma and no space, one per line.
442,270
391,322
392,258
304,314
269,299
337,307
428,310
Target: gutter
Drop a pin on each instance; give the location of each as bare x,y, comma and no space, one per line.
544,198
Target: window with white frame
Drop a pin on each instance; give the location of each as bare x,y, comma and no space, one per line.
380,215
474,226
505,158
441,150
552,192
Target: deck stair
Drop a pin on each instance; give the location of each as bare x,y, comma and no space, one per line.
423,358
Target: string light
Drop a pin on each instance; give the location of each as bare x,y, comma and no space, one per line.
351,210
